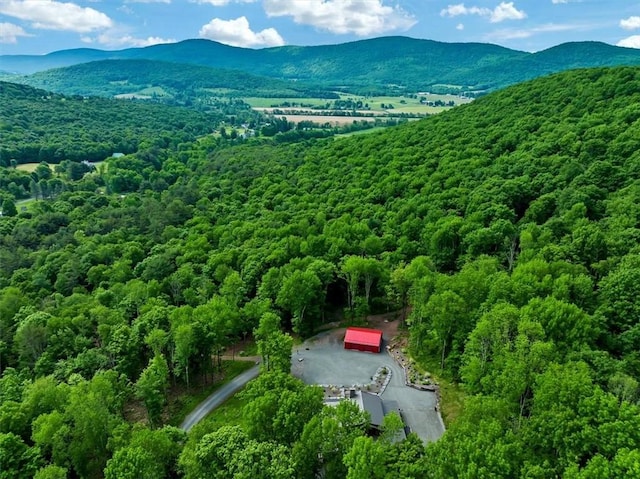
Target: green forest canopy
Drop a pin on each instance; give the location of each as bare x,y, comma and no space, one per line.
510,226
179,82
36,126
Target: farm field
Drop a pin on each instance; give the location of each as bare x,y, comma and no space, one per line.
264,102
333,120
144,94
376,104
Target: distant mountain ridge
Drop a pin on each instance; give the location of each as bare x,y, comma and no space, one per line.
407,62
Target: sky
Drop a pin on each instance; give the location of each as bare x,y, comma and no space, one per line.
36,27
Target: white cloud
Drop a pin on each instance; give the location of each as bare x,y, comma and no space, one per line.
510,34
238,33
630,42
630,23
504,11
221,3
9,33
131,41
460,26
360,17
54,15
113,39
147,1
460,9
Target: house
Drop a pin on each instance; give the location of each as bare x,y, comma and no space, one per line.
374,406
363,339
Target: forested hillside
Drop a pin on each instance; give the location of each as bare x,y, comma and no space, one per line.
164,81
509,225
36,125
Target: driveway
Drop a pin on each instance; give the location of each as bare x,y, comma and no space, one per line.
218,397
323,360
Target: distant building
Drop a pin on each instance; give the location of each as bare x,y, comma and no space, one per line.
363,339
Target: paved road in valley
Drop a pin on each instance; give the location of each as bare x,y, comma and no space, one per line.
218,397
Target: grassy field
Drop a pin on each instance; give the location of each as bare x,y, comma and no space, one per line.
448,85
419,109
153,90
376,104
361,132
31,167
321,119
220,91
129,96
259,102
145,93
28,167
25,205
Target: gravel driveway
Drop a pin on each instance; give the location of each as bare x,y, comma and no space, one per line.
323,360
218,397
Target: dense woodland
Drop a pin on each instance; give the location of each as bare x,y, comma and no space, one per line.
510,226
174,83
40,126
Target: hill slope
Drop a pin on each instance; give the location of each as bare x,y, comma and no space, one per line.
117,77
37,125
411,63
527,201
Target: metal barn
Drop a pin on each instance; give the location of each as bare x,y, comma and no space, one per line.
363,339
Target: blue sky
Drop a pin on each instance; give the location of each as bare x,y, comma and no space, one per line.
42,26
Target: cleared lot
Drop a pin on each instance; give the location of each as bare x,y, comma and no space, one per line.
323,360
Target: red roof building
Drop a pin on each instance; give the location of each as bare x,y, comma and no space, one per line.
363,339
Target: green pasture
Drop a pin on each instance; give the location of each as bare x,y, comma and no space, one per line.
220,91
401,104
28,167
31,167
448,85
153,90
419,109
26,203
129,96
261,102
361,132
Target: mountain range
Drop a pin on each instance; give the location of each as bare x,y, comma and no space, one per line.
403,62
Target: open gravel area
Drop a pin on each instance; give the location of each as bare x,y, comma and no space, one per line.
323,360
